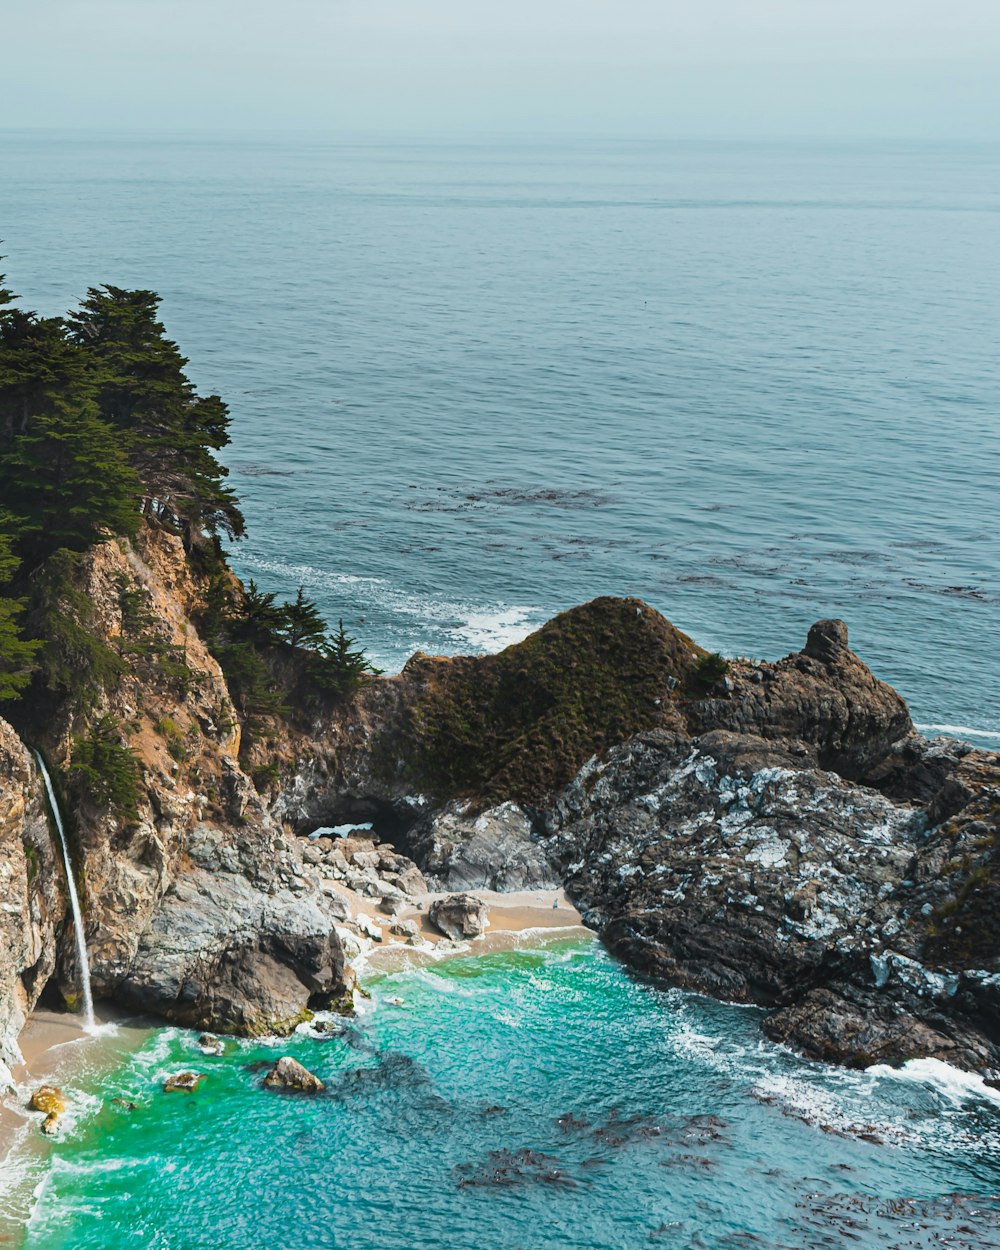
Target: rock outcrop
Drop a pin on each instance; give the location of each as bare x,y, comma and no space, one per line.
51,1102
33,908
196,906
731,865
288,1073
461,848
772,833
459,916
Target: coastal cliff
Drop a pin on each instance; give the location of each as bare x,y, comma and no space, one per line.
767,833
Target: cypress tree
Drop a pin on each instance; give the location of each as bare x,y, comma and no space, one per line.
172,433
17,656
304,627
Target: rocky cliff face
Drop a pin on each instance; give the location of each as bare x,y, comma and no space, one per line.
32,912
198,908
733,866
774,834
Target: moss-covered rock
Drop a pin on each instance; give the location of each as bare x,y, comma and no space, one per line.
520,724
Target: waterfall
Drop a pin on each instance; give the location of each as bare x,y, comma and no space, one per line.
81,944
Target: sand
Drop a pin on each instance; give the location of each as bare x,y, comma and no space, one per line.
518,919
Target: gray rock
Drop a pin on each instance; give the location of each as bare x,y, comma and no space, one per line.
459,916
733,866
492,850
222,953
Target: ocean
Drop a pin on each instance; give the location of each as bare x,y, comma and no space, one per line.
473,385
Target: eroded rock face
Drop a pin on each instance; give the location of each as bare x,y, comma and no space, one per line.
199,909
823,696
239,944
730,865
462,849
32,900
459,916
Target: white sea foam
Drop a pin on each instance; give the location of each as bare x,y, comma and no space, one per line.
494,630
954,1084
481,627
340,831
960,731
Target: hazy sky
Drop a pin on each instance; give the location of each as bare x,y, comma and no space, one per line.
671,67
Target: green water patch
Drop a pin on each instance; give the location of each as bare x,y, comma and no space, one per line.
532,1098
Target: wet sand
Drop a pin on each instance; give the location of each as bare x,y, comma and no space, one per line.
57,1051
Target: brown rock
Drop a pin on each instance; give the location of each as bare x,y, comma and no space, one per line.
459,916
52,1101
183,1082
288,1073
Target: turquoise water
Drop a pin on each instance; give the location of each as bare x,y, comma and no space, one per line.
534,1099
476,384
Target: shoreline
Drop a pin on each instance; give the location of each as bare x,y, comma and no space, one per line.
56,1049
47,1036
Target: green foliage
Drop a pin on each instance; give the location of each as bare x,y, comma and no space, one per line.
72,662
137,619
17,656
709,670
258,619
338,667
142,390
173,735
250,680
104,772
303,626
266,776
98,424
521,724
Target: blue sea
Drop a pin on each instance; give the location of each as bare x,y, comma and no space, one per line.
474,384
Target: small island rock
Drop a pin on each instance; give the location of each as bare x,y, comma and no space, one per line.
288,1073
183,1082
50,1100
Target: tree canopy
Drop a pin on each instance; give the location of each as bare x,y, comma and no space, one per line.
101,430
99,425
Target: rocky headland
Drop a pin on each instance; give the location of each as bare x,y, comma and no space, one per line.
767,833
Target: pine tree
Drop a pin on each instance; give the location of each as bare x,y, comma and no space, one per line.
258,620
304,627
17,656
62,470
172,433
66,479
341,666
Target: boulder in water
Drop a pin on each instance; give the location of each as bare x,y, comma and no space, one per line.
209,1044
183,1082
50,1100
288,1073
459,916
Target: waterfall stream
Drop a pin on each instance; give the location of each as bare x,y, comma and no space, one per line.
81,944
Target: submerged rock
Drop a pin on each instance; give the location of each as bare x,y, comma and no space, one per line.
288,1073
459,916
183,1082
